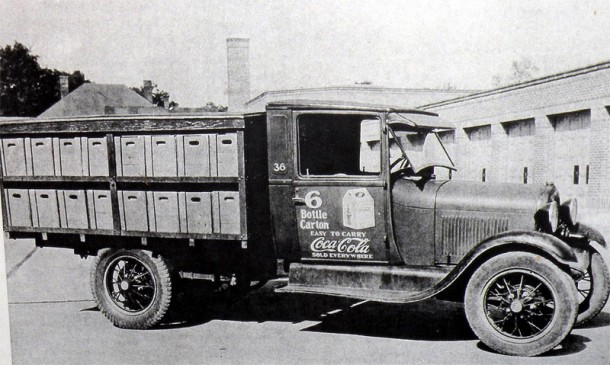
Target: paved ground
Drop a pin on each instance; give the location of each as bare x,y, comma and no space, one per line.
53,320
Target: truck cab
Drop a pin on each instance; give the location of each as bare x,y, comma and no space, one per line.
357,211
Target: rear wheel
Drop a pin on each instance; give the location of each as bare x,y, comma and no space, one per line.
593,289
132,288
520,304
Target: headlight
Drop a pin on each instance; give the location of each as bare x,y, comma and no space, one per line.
569,212
547,217
553,210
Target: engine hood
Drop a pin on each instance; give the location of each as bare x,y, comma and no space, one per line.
490,197
470,196
449,218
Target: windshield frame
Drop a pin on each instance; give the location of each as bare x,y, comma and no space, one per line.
392,125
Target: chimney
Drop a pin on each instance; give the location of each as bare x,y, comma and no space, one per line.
64,86
147,89
166,102
238,72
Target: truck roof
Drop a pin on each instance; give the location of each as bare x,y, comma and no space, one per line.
343,105
411,117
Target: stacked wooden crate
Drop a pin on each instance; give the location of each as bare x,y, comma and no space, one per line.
199,209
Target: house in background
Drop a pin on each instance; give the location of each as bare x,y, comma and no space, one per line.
101,99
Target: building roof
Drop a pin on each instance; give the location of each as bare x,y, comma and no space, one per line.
93,99
559,93
410,98
527,84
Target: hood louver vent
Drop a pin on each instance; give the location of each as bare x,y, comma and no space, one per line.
459,234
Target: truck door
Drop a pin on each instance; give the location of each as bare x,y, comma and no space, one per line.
339,187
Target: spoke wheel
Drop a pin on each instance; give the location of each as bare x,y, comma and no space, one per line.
132,288
520,304
593,289
130,283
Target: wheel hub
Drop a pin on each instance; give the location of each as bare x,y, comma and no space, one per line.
516,306
124,285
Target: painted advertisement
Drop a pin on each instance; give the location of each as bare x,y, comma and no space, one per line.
341,223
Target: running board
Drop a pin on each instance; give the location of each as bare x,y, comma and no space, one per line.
392,284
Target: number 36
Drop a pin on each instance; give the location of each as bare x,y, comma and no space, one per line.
279,167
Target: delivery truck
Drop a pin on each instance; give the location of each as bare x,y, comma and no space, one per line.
345,199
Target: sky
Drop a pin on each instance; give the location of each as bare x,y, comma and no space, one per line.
181,45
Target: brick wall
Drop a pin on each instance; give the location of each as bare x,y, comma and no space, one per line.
549,154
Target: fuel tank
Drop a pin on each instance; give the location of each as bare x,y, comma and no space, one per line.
440,221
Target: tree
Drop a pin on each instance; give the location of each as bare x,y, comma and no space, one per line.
213,108
158,96
26,89
521,71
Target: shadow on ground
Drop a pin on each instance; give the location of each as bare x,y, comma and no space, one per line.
431,320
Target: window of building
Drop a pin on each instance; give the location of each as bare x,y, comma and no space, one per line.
571,121
483,175
576,178
587,175
525,175
520,128
480,133
447,137
337,145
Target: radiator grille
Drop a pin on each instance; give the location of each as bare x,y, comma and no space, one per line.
460,234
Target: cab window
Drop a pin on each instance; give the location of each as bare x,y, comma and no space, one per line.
339,145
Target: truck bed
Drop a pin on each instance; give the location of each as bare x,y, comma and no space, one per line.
139,176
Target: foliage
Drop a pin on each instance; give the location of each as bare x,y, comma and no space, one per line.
213,108
521,71
26,89
158,96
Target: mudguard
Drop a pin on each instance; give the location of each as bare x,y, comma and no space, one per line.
533,241
559,250
592,234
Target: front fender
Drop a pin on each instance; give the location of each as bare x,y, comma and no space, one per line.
531,241
592,234
553,246
573,261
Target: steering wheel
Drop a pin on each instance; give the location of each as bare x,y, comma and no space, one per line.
402,160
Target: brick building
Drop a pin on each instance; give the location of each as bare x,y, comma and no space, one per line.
556,128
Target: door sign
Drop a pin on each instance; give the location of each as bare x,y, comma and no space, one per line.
358,209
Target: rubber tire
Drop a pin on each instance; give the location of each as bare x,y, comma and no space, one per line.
600,290
560,282
152,315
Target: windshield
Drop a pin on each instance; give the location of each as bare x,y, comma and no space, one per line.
416,149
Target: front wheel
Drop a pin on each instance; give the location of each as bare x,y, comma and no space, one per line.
593,289
132,288
520,304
